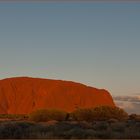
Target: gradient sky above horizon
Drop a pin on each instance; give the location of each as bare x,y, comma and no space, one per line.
97,44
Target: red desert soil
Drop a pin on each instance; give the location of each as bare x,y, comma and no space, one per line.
23,95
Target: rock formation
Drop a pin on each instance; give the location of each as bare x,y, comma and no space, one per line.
23,95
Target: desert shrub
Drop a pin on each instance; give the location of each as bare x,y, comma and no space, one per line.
82,114
112,120
130,135
43,115
12,129
118,127
69,130
104,134
99,113
79,133
107,112
13,116
101,125
134,117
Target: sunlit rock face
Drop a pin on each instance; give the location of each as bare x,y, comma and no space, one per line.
23,95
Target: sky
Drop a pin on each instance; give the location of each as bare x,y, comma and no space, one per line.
97,44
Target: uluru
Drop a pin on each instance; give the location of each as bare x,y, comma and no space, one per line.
22,95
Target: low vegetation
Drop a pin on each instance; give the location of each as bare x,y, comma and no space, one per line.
99,113
134,117
44,115
13,116
99,123
69,130
87,114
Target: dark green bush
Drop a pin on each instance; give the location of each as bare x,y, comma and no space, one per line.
43,115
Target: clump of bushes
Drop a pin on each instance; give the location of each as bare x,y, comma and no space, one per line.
107,112
69,130
13,116
99,113
44,115
134,117
82,114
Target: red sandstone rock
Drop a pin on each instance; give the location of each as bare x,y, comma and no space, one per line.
23,95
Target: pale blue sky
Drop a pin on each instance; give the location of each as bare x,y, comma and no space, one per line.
97,44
